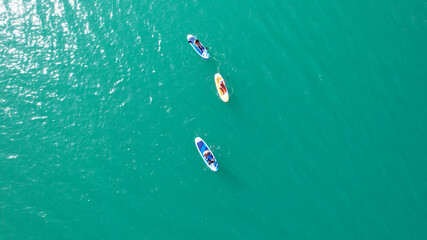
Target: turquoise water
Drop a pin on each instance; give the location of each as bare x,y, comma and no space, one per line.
324,136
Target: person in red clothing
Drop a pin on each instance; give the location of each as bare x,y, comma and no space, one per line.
222,87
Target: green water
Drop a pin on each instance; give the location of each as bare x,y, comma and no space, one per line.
324,136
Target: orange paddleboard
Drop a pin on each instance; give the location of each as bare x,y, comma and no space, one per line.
220,86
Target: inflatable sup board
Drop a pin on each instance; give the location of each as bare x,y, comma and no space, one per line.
209,158
220,86
202,53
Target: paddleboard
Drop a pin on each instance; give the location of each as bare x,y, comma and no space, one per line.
220,86
202,147
202,53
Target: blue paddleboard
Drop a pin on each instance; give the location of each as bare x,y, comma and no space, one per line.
202,53
209,159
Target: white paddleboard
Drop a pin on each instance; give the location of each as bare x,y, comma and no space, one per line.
210,159
202,52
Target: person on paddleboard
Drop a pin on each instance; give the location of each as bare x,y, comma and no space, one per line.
208,157
199,45
222,87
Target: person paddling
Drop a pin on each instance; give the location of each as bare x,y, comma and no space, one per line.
208,157
222,87
199,45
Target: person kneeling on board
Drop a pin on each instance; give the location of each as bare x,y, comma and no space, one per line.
222,87
208,157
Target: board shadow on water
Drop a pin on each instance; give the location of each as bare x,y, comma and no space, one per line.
230,177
